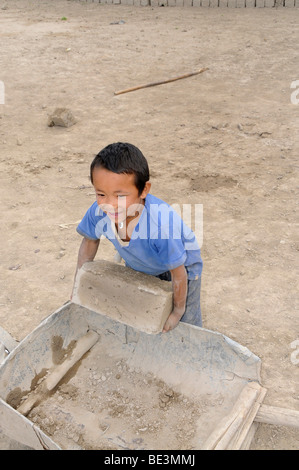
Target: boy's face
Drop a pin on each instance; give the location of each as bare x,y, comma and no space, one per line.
117,194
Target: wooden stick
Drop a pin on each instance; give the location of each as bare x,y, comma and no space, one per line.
138,87
240,436
83,345
277,416
249,437
227,427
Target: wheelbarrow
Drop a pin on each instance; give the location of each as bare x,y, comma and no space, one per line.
99,374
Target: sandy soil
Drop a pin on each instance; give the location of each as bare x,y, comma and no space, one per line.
227,139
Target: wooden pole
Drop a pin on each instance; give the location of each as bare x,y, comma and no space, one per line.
277,416
138,87
249,437
247,425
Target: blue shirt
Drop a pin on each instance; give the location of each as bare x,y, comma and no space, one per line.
160,242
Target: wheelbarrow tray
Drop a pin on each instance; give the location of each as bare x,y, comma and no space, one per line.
192,371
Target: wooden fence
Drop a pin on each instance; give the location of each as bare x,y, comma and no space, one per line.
206,3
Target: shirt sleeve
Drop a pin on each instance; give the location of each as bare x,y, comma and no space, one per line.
87,226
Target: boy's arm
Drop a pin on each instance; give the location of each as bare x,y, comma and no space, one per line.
87,251
179,285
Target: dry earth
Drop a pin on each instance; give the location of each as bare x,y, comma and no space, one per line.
227,139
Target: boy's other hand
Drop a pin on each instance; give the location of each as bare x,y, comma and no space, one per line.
179,284
172,320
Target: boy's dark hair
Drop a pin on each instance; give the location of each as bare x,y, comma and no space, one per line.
123,158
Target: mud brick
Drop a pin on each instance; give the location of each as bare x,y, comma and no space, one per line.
123,294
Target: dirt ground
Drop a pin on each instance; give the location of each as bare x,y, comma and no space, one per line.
227,139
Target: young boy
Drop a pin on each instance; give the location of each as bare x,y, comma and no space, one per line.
147,233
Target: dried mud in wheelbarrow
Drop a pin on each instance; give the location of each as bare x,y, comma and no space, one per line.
113,406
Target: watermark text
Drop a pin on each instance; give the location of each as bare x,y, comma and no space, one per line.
2,92
295,93
161,221
295,354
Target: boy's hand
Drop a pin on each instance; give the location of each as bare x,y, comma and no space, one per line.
179,284
172,320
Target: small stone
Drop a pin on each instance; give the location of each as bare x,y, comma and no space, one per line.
62,117
15,267
143,429
61,254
